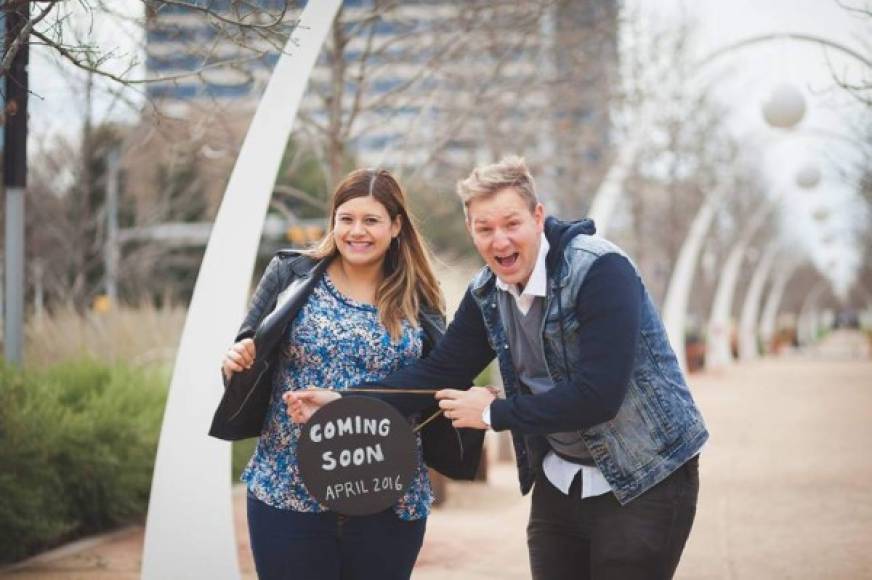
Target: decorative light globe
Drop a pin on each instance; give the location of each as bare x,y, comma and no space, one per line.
785,107
808,177
821,214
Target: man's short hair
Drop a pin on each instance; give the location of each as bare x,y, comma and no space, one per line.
488,180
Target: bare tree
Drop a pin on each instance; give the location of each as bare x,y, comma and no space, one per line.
395,67
688,155
57,25
860,89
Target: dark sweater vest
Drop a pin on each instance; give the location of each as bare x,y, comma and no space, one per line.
524,334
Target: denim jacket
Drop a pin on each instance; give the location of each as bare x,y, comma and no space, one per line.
657,427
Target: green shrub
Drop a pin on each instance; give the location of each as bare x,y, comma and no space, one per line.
242,452
77,446
32,505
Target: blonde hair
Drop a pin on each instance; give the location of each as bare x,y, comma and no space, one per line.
409,282
488,180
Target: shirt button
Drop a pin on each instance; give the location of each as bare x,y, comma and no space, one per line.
493,304
506,347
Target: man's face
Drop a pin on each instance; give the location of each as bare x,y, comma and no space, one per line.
506,234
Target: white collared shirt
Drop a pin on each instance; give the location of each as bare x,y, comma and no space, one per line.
558,471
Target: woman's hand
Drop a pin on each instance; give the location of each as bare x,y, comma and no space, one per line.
239,357
303,404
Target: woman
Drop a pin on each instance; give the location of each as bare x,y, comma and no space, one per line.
372,273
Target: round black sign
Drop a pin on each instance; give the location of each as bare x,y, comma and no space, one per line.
357,455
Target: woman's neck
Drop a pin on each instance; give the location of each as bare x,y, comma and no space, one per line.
358,282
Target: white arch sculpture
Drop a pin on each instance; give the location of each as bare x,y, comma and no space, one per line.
718,351
768,318
751,305
189,531
681,280
607,196
807,321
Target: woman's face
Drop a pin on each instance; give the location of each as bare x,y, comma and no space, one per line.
363,231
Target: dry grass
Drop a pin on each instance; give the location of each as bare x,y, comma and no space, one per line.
139,336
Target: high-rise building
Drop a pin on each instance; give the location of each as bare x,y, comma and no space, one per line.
433,85
202,55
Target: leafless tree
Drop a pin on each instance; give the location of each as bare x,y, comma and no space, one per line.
66,28
688,155
860,89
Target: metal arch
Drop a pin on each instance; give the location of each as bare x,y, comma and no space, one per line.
718,351
773,299
751,305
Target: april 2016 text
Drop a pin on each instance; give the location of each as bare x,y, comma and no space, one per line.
359,487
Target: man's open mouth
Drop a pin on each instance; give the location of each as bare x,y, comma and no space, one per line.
507,261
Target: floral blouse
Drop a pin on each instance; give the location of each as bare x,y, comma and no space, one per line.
321,351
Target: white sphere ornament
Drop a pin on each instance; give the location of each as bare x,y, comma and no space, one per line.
821,214
808,177
785,107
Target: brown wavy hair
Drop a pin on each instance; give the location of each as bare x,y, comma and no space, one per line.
409,282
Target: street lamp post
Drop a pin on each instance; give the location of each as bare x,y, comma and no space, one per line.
15,182
111,252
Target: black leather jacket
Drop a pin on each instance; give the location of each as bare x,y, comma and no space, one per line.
283,290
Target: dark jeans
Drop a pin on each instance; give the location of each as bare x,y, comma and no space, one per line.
289,545
597,538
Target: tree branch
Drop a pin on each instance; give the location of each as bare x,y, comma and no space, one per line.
207,10
23,34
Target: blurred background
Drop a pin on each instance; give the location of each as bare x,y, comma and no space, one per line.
725,146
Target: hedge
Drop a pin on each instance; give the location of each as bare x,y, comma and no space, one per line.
77,446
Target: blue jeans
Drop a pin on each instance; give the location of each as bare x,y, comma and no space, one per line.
289,545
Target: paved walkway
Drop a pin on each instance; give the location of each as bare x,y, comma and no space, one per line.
785,487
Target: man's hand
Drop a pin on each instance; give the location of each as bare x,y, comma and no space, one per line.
303,404
464,408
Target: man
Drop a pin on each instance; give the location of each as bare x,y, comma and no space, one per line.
604,427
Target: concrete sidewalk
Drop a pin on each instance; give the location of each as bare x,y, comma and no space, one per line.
785,488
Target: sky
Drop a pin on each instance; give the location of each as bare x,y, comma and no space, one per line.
57,101
743,80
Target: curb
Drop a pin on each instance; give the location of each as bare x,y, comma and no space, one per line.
87,543
71,549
